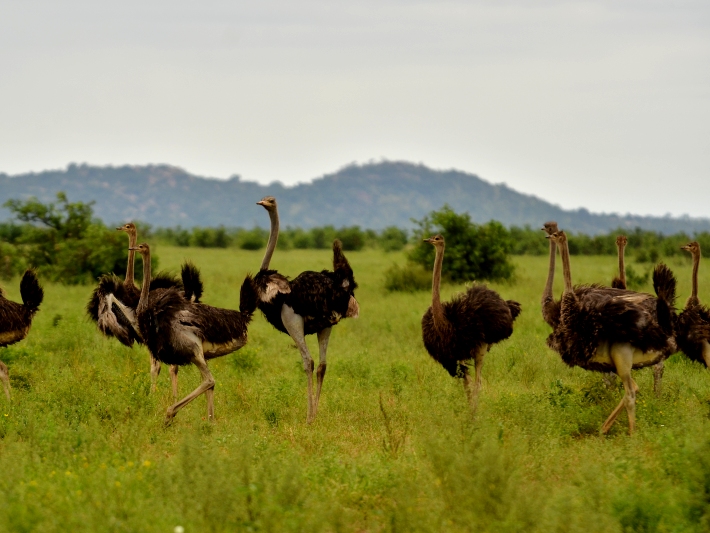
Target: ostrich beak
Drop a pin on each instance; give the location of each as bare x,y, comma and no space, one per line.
119,229
134,248
260,203
685,247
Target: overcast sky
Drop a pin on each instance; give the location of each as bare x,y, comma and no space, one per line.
604,105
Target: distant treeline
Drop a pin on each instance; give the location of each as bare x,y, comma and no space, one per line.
644,246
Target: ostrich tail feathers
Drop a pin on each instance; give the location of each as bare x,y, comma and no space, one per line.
664,283
515,308
340,262
191,281
248,296
165,280
31,291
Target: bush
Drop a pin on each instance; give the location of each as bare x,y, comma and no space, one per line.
11,261
65,243
393,239
352,238
473,251
409,278
254,239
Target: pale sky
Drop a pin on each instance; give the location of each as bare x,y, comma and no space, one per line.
603,105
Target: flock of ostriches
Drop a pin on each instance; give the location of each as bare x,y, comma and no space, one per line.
606,329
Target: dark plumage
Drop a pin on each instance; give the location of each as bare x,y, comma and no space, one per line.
615,330
466,327
693,325
16,319
313,302
178,331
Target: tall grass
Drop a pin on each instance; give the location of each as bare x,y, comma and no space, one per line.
83,447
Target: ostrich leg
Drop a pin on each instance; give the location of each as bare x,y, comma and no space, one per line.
622,354
323,337
473,389
173,380
5,378
154,373
294,326
658,378
207,386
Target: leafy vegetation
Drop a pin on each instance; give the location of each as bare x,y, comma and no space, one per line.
62,240
473,251
83,446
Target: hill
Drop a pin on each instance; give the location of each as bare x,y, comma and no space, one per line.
373,195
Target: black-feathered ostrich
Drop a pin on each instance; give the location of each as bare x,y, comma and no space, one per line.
180,332
693,327
113,303
465,328
313,302
619,282
16,319
606,329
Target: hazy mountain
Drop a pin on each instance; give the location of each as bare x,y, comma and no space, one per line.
372,196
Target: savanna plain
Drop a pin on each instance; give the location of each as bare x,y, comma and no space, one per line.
83,446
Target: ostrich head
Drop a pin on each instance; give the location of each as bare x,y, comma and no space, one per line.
550,227
129,228
437,240
621,241
268,203
692,247
559,237
142,249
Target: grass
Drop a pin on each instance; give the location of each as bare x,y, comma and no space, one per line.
83,447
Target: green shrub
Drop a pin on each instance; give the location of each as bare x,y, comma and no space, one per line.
254,239
393,239
409,278
210,237
352,238
473,251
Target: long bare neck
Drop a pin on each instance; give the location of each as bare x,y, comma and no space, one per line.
696,267
564,252
273,237
145,288
547,293
622,268
436,307
132,239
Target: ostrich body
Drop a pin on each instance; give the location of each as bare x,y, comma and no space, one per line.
16,319
619,282
693,335
615,330
313,302
113,304
466,327
180,332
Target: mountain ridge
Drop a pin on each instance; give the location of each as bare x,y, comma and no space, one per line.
371,195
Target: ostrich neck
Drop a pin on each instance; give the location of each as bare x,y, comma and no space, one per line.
564,252
436,307
132,239
547,293
696,267
145,288
273,237
622,268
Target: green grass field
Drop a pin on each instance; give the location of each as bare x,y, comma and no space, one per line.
83,446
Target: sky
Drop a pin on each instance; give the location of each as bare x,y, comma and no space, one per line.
603,105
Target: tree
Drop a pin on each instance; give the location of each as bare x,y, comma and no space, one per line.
473,251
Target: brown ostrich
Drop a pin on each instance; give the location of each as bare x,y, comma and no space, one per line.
113,303
693,331
16,319
614,330
619,282
465,328
312,302
180,332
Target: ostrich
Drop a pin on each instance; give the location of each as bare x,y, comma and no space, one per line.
466,327
179,332
614,330
619,282
16,319
693,334
313,302
550,307
113,303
